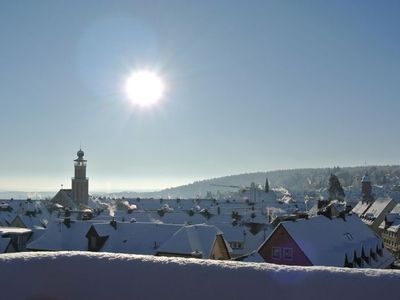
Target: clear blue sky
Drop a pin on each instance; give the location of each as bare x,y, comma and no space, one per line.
251,86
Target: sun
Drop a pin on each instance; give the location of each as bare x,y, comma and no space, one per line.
144,88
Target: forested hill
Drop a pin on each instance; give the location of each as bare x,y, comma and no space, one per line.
296,180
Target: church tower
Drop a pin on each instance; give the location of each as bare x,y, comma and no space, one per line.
80,184
366,189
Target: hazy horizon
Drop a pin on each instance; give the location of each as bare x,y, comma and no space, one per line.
249,86
102,186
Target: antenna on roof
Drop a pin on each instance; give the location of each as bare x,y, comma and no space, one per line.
365,167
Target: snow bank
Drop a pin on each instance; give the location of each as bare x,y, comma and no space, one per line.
83,275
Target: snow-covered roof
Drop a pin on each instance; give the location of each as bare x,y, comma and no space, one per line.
33,221
31,212
326,242
394,224
14,230
60,237
137,238
192,239
180,217
6,218
253,257
360,208
340,206
392,221
396,209
378,207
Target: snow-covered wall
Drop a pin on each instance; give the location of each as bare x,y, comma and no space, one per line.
82,275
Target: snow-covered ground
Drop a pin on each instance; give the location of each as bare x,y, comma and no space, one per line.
82,275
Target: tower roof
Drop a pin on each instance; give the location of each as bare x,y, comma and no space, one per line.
80,155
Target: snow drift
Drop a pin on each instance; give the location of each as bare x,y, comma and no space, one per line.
83,275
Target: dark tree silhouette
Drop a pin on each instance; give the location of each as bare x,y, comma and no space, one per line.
266,188
335,189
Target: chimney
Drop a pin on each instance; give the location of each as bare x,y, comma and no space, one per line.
67,222
342,215
197,254
113,223
67,218
322,203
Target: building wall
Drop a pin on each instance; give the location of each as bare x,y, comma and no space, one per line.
220,250
280,240
366,191
80,184
391,241
80,170
80,190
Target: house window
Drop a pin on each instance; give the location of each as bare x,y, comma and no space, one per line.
276,252
236,245
288,253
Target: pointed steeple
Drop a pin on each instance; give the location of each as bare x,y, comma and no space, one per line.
266,187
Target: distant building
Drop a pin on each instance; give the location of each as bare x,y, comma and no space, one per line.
63,235
80,183
241,239
78,195
390,231
320,241
374,213
16,238
366,189
199,241
64,198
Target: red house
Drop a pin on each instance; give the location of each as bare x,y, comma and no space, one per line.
323,241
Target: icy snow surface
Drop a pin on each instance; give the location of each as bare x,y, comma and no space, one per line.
83,275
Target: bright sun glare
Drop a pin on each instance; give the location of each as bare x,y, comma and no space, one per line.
144,88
